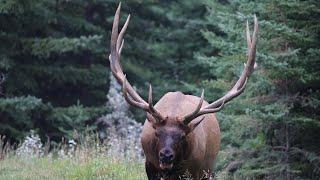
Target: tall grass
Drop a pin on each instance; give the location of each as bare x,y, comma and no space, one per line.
99,167
88,160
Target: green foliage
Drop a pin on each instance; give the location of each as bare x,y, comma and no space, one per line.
20,114
52,46
75,118
279,111
53,58
45,47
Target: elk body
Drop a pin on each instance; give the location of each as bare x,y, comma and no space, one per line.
181,132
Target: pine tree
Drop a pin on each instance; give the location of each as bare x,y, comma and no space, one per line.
278,115
51,57
50,51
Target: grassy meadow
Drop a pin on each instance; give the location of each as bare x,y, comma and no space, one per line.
70,168
87,159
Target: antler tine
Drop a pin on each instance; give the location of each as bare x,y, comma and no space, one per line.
240,85
213,110
255,30
121,34
120,50
188,118
253,44
248,35
114,55
252,48
150,101
152,110
114,33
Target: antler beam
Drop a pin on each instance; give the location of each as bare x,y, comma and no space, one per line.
131,96
240,85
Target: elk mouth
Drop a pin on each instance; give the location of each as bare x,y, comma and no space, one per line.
166,166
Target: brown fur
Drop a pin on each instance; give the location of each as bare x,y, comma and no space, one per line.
203,142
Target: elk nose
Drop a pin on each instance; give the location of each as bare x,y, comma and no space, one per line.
166,155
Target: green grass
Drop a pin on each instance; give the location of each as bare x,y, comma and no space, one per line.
100,167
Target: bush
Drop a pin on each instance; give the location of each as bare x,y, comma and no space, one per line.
21,114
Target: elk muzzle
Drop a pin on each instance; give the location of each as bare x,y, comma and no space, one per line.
166,157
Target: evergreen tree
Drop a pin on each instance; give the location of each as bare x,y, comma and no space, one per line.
51,50
51,57
274,123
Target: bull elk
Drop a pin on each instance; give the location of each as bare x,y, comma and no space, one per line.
181,132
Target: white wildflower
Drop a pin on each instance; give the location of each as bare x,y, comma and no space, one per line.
31,146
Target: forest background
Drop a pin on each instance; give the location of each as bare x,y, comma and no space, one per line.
54,73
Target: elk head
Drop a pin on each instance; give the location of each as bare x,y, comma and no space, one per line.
171,139
172,133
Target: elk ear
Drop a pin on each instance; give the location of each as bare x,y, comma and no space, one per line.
194,123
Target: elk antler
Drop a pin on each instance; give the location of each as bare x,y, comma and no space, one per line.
240,85
131,96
